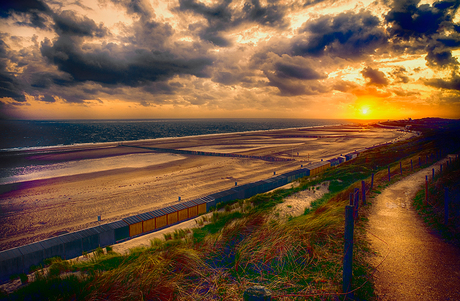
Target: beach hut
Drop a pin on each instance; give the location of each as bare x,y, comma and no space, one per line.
148,222
160,218
52,247
72,245
120,229
204,204
334,161
135,225
32,255
192,209
10,263
171,215
224,196
106,235
89,239
182,212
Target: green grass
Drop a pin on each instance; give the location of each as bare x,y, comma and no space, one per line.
433,211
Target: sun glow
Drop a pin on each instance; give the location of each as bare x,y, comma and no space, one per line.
365,110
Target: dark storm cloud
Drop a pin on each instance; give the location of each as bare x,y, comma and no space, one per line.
109,64
141,8
375,77
439,56
291,75
347,35
293,71
35,10
399,73
408,19
47,98
221,18
452,84
10,86
428,27
344,86
68,23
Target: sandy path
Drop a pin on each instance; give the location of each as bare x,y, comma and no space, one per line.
36,210
419,266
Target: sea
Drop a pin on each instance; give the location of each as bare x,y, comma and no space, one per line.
38,134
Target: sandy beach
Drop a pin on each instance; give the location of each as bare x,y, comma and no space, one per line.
117,181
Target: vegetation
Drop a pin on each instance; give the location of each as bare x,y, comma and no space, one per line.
244,245
433,211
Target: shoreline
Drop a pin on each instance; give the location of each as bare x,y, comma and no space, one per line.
37,210
110,143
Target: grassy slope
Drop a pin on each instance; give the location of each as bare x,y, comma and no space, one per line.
236,249
433,212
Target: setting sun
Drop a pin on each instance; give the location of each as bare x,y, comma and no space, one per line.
365,110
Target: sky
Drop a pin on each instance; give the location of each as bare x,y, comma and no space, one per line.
140,59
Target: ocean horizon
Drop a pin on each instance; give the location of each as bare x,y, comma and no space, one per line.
31,134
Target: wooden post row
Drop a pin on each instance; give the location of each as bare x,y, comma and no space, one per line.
348,249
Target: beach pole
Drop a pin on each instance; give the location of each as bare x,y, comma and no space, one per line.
348,250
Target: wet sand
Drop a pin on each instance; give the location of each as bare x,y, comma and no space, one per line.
35,210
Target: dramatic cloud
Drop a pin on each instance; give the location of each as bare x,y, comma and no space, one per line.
347,35
226,58
34,11
375,77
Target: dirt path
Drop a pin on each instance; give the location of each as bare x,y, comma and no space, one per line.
419,265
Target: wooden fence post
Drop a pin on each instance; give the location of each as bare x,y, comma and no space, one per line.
446,205
426,190
356,203
348,249
372,182
363,189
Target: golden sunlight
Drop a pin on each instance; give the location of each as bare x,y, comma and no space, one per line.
365,110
